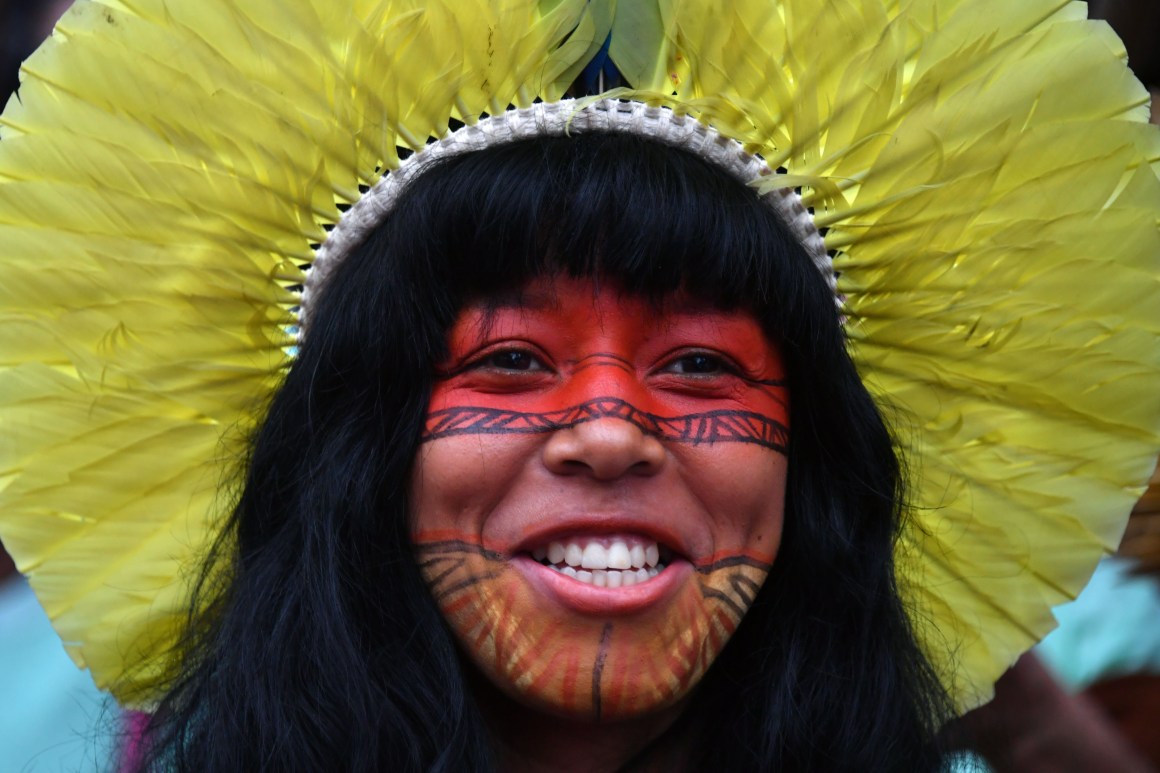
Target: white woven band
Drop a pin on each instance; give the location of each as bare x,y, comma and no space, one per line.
553,119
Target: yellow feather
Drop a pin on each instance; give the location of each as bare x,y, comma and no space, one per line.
981,169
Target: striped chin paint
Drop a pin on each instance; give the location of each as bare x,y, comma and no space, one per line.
599,492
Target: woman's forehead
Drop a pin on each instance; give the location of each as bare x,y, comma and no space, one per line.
591,309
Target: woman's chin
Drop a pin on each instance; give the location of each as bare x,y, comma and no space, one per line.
639,702
599,654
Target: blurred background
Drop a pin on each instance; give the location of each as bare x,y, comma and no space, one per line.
1087,699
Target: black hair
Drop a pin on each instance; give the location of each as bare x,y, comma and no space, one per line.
320,647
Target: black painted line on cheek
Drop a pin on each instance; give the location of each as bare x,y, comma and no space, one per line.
744,588
598,667
734,606
741,590
442,594
438,579
444,583
721,426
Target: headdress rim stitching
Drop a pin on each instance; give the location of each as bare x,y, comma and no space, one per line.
557,119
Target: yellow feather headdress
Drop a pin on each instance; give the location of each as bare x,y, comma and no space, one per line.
981,171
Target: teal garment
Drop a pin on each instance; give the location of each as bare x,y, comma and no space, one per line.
52,717
1112,629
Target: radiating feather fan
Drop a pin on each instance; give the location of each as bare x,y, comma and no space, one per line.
980,168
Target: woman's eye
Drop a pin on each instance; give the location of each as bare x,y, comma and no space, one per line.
699,365
511,359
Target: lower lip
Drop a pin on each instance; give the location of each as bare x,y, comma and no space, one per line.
593,600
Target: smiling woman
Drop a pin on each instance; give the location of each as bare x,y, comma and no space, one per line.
367,404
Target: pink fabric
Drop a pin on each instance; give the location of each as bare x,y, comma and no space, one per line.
135,724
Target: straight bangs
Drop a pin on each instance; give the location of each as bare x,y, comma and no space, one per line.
613,207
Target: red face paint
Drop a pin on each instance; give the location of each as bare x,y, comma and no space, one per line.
576,438
562,349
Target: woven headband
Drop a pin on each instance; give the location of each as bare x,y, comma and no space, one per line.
567,116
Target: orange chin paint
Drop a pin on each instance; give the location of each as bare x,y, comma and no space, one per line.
586,665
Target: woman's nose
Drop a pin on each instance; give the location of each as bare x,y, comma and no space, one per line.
605,447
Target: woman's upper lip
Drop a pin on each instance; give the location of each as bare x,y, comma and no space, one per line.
599,525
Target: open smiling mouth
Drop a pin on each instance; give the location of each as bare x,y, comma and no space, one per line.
605,561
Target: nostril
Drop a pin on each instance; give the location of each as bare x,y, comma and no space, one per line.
572,467
643,467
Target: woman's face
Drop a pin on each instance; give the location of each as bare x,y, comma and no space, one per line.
599,492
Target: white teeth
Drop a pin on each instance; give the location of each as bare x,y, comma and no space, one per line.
618,555
555,553
593,553
611,578
572,554
594,556
604,561
636,555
